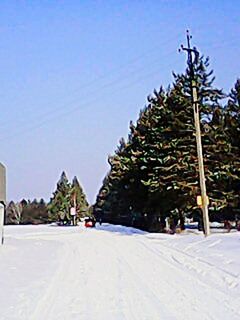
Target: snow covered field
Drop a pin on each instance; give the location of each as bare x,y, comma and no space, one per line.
118,273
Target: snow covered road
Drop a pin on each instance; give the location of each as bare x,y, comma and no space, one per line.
113,273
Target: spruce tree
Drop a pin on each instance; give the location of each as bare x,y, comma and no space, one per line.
66,196
155,172
78,199
232,134
59,205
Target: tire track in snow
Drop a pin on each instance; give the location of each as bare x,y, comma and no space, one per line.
81,287
137,300
141,303
110,276
221,277
187,262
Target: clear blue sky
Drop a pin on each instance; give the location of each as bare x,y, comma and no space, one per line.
74,73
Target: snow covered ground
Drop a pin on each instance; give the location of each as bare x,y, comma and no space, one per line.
118,273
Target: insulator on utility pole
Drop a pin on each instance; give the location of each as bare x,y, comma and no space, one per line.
193,51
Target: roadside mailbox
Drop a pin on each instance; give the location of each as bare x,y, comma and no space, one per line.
2,199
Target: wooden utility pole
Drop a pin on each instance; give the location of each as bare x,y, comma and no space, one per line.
204,206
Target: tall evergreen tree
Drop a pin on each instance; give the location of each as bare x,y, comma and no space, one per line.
233,117
156,171
66,196
231,129
78,199
59,205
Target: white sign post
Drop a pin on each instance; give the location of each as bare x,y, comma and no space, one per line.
2,209
73,211
73,214
2,199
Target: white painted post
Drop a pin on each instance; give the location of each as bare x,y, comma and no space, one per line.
2,199
167,224
2,209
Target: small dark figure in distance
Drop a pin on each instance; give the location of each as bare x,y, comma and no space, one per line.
238,225
227,225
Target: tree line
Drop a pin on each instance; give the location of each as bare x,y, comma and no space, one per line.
154,172
66,196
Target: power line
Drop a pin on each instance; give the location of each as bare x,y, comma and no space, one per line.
104,86
121,67
75,109
112,82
